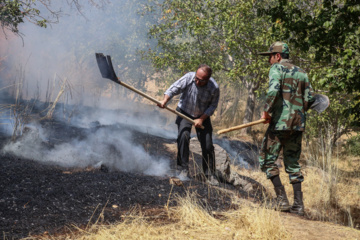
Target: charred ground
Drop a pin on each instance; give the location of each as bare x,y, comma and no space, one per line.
42,197
38,197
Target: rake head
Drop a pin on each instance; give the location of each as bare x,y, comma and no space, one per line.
106,67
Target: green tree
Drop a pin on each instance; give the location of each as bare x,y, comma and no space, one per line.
225,34
326,37
121,34
15,12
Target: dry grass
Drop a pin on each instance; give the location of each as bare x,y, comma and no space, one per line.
51,108
190,220
328,194
330,189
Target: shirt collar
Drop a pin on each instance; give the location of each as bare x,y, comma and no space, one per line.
285,61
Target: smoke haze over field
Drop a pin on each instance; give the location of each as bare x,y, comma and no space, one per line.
39,64
44,59
110,147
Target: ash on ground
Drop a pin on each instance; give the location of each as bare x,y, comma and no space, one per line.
40,196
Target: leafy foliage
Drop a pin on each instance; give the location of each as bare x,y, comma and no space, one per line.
15,12
326,36
225,34
353,145
331,124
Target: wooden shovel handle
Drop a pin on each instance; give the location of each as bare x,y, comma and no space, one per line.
241,126
157,102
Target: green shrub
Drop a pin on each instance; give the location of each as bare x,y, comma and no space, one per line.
353,145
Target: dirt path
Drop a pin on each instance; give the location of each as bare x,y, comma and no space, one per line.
301,228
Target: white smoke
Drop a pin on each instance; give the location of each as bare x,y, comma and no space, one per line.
6,126
150,120
44,58
240,152
111,147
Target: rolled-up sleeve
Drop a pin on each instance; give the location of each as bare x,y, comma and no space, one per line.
179,86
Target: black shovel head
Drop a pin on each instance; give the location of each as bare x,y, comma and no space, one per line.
321,103
106,67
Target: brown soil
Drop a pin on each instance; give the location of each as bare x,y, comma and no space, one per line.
301,228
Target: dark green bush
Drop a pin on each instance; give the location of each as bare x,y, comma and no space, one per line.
353,145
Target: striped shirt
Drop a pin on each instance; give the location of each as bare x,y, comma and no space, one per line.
195,100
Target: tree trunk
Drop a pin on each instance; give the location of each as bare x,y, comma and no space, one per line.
250,104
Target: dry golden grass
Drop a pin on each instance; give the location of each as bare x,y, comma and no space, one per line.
349,185
190,220
327,194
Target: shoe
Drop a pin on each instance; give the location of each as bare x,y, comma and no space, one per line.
184,175
212,180
281,203
298,206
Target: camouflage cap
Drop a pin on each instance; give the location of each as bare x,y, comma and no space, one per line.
277,47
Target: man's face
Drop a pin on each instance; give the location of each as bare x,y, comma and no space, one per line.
274,58
201,78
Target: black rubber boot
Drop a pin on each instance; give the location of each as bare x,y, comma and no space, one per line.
281,203
298,206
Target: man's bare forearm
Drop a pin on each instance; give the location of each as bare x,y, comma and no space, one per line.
164,101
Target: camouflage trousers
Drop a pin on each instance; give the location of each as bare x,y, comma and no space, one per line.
273,142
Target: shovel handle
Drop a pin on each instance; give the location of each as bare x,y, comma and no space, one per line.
107,71
241,126
157,102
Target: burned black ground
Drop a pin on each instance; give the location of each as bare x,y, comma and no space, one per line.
38,197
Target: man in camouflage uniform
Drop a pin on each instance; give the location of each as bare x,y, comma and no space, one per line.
288,98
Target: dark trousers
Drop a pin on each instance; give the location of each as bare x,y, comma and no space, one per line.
205,138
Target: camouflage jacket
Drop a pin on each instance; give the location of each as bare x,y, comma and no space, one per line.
289,96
